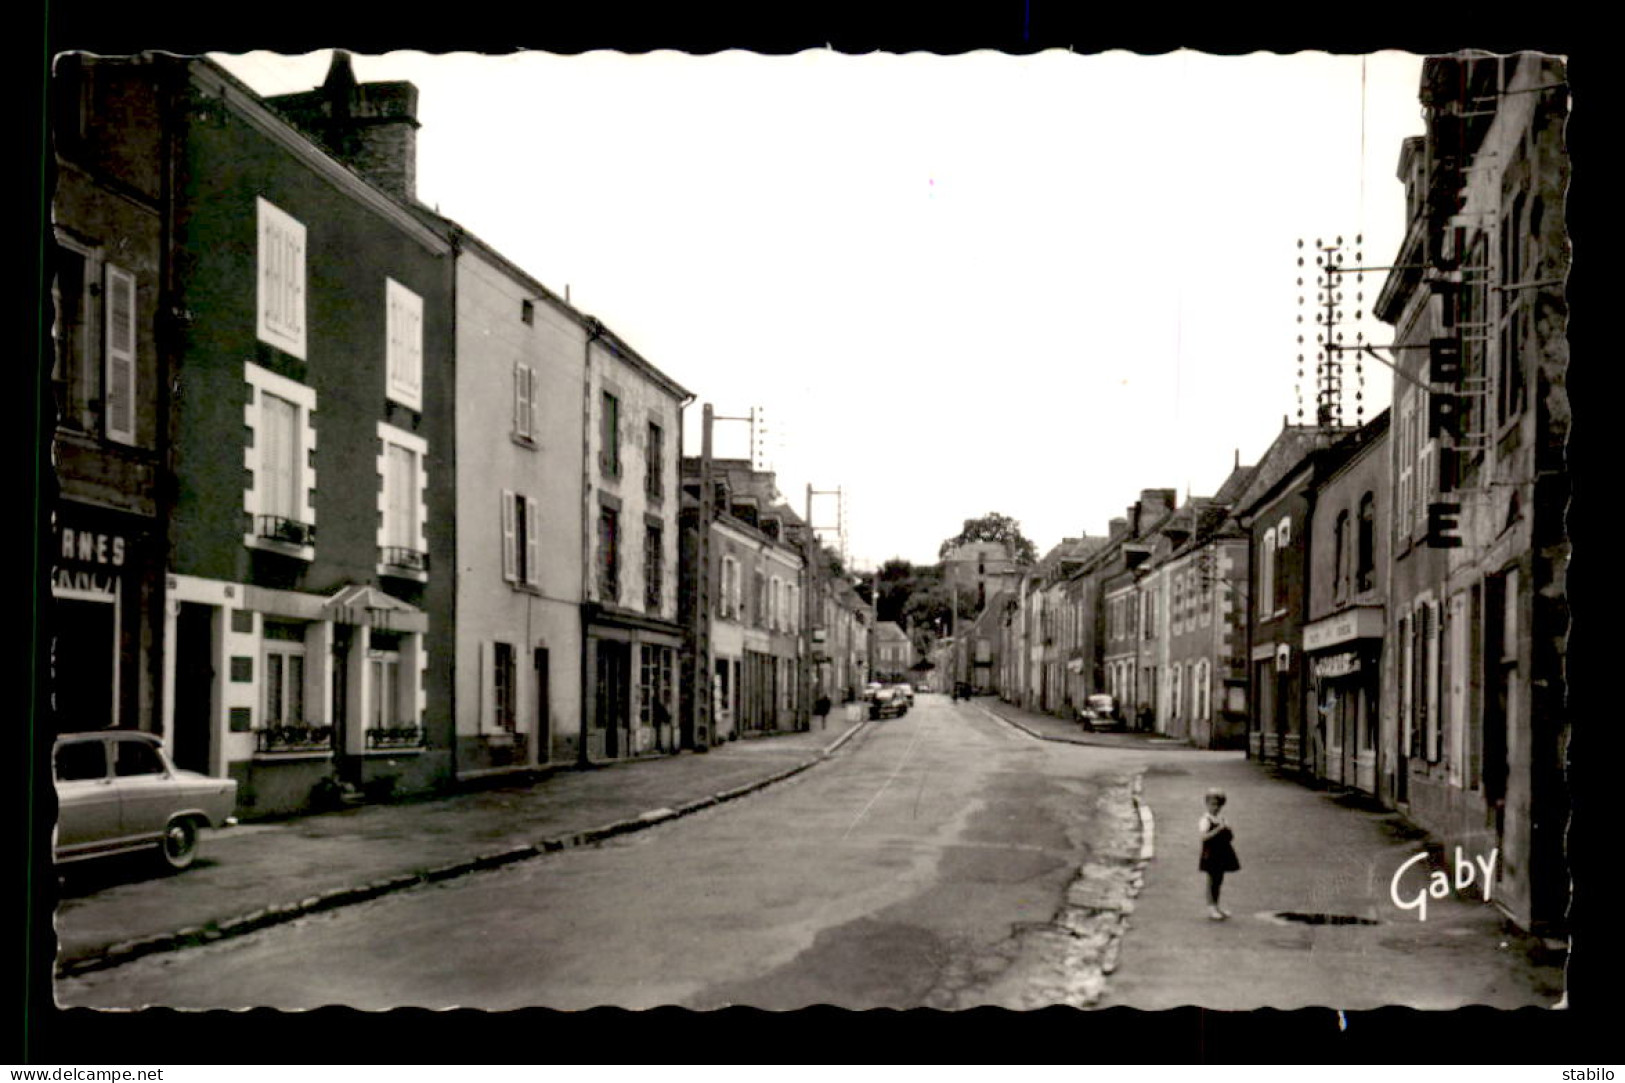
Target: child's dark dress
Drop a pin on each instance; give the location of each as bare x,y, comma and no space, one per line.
1218,853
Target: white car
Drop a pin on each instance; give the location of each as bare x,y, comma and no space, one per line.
117,791
1100,712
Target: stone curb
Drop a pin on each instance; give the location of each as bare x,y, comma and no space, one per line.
1030,732
265,917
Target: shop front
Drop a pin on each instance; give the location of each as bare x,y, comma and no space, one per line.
631,684
103,591
1345,657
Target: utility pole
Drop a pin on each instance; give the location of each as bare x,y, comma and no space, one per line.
700,725
697,734
812,680
874,626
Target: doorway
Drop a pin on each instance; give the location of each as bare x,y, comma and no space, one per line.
84,662
544,711
612,693
194,687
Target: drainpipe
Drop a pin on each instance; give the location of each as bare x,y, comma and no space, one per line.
1248,601
172,92
449,449
595,331
703,729
697,598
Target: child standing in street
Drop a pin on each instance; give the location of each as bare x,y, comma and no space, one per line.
1218,851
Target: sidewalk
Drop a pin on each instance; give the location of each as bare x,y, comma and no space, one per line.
1332,860
1329,860
261,874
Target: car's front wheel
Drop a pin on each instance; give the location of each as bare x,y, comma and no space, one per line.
179,847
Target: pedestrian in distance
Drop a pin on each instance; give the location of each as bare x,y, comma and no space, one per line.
1218,851
821,709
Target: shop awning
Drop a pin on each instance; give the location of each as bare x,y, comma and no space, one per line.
1346,626
362,603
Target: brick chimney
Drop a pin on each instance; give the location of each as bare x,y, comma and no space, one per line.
1154,503
1116,529
371,127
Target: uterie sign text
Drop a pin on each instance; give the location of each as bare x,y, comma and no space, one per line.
1438,882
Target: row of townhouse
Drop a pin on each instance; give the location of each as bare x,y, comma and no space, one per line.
1148,614
781,630
1381,607
345,502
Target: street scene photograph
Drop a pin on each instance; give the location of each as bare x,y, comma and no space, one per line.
878,531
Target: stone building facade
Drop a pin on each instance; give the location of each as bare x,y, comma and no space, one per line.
1343,640
1478,613
630,492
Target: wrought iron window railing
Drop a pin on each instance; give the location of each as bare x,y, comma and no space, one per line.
404,736
282,529
396,556
294,738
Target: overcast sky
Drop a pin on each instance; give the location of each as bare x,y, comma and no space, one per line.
954,284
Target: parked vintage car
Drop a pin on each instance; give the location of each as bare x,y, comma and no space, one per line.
1100,712
888,702
117,791
907,692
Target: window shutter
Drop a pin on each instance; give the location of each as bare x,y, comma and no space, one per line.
533,571
530,402
281,320
279,493
119,407
523,408
403,335
510,570
401,529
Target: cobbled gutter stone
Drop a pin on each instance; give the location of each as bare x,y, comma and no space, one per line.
1068,960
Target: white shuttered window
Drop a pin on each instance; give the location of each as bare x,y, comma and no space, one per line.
510,539
401,488
533,564
281,254
279,463
404,333
120,355
524,402
521,548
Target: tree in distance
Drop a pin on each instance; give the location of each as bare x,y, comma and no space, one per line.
994,527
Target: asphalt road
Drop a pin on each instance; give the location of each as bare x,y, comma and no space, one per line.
923,865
